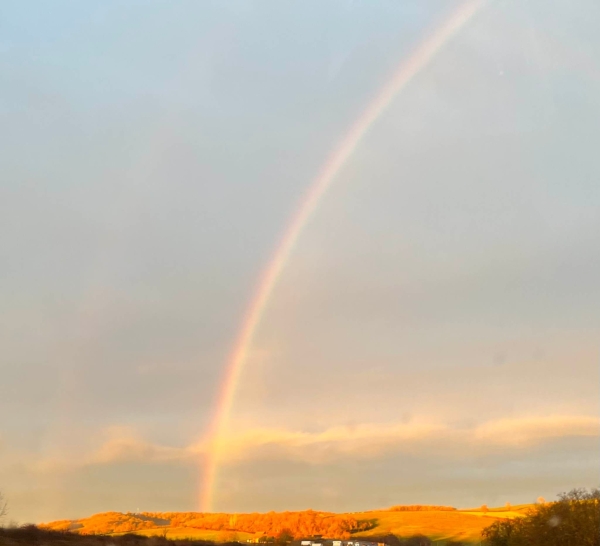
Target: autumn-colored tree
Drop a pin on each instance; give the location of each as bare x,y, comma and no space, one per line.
284,537
272,524
296,524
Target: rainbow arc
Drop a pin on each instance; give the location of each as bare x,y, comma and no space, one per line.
407,70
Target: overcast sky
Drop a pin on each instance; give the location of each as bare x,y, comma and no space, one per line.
434,337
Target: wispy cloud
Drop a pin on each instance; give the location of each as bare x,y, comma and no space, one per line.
532,430
364,441
130,447
375,440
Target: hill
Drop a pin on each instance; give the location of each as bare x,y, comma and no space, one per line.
435,522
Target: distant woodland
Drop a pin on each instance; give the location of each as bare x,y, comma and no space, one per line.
272,524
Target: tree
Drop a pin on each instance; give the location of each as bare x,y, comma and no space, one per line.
284,537
3,506
573,520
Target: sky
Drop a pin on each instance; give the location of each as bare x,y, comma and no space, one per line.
434,334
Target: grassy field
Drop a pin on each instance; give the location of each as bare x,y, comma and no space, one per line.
182,533
463,525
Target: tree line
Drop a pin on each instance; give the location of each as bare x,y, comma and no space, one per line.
279,526
275,524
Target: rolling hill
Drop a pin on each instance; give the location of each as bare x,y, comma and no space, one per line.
437,522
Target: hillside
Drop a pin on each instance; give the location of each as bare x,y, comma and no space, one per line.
436,522
457,525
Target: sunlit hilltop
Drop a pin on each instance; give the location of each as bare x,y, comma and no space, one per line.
437,522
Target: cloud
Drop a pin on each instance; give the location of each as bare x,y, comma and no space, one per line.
117,445
126,447
369,441
533,430
358,442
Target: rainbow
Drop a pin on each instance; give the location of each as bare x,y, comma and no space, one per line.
407,70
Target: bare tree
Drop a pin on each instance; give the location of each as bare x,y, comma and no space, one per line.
3,506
